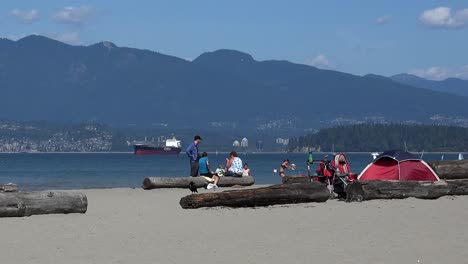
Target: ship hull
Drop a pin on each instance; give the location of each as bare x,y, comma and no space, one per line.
148,150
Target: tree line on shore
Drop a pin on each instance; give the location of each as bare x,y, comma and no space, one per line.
381,137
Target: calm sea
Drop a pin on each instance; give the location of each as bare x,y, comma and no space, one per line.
44,171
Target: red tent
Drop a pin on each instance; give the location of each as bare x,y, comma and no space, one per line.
398,165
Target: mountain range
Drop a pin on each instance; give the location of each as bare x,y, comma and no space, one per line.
449,85
44,79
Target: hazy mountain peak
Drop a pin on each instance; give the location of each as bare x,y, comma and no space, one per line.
406,77
449,85
375,76
6,40
453,79
106,44
39,40
224,56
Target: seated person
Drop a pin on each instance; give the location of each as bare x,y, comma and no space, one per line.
205,170
233,165
220,170
245,170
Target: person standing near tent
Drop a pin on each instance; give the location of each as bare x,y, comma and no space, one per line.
192,153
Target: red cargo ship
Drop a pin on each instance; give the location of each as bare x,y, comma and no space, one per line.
169,146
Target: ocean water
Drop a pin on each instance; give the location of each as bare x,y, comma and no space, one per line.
47,171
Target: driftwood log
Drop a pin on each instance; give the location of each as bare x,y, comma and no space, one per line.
369,190
183,182
44,202
288,179
9,187
264,196
450,169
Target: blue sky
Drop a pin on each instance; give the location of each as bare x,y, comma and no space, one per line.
427,38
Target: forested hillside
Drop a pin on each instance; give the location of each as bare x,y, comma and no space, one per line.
376,137
119,86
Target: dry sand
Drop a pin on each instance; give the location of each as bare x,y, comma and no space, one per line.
137,226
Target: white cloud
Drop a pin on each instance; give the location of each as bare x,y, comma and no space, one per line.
441,73
442,17
74,15
25,16
321,61
383,20
72,38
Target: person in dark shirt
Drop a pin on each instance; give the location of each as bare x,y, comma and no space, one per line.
192,153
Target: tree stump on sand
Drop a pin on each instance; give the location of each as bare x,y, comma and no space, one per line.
45,202
183,182
10,187
264,196
369,190
288,179
450,169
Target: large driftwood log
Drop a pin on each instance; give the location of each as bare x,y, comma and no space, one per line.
450,169
183,182
288,179
369,190
264,196
44,202
9,187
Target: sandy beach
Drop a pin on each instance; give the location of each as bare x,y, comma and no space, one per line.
137,226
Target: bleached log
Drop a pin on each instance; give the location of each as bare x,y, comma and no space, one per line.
44,202
264,196
450,169
183,182
288,179
370,190
9,187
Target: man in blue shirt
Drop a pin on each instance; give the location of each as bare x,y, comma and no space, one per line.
192,153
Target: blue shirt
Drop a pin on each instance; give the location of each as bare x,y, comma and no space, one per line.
192,152
202,165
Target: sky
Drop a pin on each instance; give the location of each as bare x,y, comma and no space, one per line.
427,38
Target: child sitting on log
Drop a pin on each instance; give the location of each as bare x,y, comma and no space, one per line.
220,170
245,170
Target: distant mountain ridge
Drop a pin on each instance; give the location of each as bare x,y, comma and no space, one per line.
449,85
44,79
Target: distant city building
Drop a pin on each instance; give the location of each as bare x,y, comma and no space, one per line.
235,143
244,143
259,145
282,141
